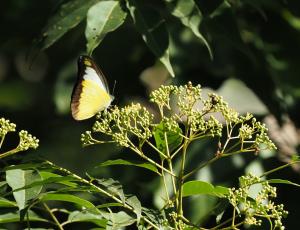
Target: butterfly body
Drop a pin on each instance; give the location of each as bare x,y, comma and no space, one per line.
91,93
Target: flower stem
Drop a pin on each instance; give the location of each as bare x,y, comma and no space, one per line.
2,140
201,166
8,153
181,179
53,216
279,168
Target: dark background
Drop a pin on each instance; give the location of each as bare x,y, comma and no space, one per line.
256,67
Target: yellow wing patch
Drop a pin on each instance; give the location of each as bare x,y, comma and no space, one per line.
92,99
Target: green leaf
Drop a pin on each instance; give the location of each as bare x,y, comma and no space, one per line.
15,217
3,183
223,26
112,186
191,188
68,198
118,220
129,162
155,216
281,181
67,17
61,180
174,138
7,203
134,202
49,177
106,205
85,216
18,178
25,166
190,16
102,18
153,29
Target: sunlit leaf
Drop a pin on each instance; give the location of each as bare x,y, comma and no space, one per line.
129,162
190,16
191,188
118,220
7,203
134,202
153,29
68,198
49,177
112,186
18,178
102,18
174,139
69,15
15,217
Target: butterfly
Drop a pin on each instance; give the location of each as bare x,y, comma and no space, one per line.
91,93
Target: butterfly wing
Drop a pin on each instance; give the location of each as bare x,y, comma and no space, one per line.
90,94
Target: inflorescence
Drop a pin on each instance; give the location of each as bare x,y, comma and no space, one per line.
254,209
181,105
26,140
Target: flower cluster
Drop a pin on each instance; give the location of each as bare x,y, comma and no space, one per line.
255,133
120,124
6,126
27,141
185,105
161,96
187,97
262,206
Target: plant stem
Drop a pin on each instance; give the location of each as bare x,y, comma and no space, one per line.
233,227
141,154
221,224
233,217
156,149
165,184
170,163
177,151
84,181
202,166
214,159
8,153
237,152
2,140
53,216
181,179
279,168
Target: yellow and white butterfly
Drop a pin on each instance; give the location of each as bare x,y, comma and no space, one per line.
91,93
